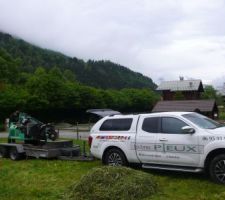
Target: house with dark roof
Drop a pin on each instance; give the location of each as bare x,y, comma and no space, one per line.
191,92
205,107
190,89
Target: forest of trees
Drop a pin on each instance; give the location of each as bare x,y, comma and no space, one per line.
54,93
54,87
99,74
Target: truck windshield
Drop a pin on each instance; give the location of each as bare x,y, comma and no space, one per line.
202,121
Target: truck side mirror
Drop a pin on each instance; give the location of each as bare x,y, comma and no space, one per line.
188,129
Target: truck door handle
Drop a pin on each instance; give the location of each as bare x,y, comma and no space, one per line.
163,140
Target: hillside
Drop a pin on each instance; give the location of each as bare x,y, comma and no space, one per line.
46,84
99,74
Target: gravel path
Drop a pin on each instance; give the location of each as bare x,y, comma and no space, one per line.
62,134
3,135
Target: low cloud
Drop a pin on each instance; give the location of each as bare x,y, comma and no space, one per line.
161,39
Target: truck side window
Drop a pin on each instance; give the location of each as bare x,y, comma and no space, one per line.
172,125
151,124
116,124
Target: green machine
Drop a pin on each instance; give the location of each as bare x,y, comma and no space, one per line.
28,137
23,127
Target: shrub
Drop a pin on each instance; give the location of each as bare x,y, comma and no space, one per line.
2,127
117,183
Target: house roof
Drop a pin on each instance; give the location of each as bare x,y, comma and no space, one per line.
181,85
185,105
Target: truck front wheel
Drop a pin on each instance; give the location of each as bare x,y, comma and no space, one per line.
115,157
217,169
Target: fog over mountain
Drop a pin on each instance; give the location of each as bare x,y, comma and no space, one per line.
161,39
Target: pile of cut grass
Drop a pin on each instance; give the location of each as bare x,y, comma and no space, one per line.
117,183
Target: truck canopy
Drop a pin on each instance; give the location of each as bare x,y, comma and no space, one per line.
103,112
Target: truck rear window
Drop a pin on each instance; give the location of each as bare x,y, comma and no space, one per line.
116,124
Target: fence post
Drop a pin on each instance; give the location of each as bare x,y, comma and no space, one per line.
89,125
6,125
58,133
77,131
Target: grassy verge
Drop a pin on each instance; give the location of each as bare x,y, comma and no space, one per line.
49,179
187,186
39,179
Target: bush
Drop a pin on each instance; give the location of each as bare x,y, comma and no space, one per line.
2,127
113,183
222,115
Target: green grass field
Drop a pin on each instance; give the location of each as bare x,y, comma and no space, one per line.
49,179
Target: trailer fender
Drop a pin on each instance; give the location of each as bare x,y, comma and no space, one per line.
19,147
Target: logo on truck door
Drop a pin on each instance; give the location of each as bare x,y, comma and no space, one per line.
173,148
112,137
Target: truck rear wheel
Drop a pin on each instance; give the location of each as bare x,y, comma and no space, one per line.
3,152
14,154
115,157
217,169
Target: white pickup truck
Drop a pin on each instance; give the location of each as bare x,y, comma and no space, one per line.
180,141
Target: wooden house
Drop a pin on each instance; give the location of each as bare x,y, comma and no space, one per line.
206,107
191,98
190,89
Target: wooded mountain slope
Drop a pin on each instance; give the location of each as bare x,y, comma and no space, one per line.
99,74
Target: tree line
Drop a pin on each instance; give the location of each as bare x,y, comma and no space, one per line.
56,95
44,84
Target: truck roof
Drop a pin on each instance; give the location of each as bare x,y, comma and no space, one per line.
152,114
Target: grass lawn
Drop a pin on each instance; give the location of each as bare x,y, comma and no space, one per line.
48,179
187,186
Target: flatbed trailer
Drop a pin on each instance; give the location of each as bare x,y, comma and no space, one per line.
61,149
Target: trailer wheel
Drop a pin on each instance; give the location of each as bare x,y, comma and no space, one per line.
3,152
14,154
115,157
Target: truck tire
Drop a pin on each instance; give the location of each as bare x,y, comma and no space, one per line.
14,154
3,152
217,169
115,157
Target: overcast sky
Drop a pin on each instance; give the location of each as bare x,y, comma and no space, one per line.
163,39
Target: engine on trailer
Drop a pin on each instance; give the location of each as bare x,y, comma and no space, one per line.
25,128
